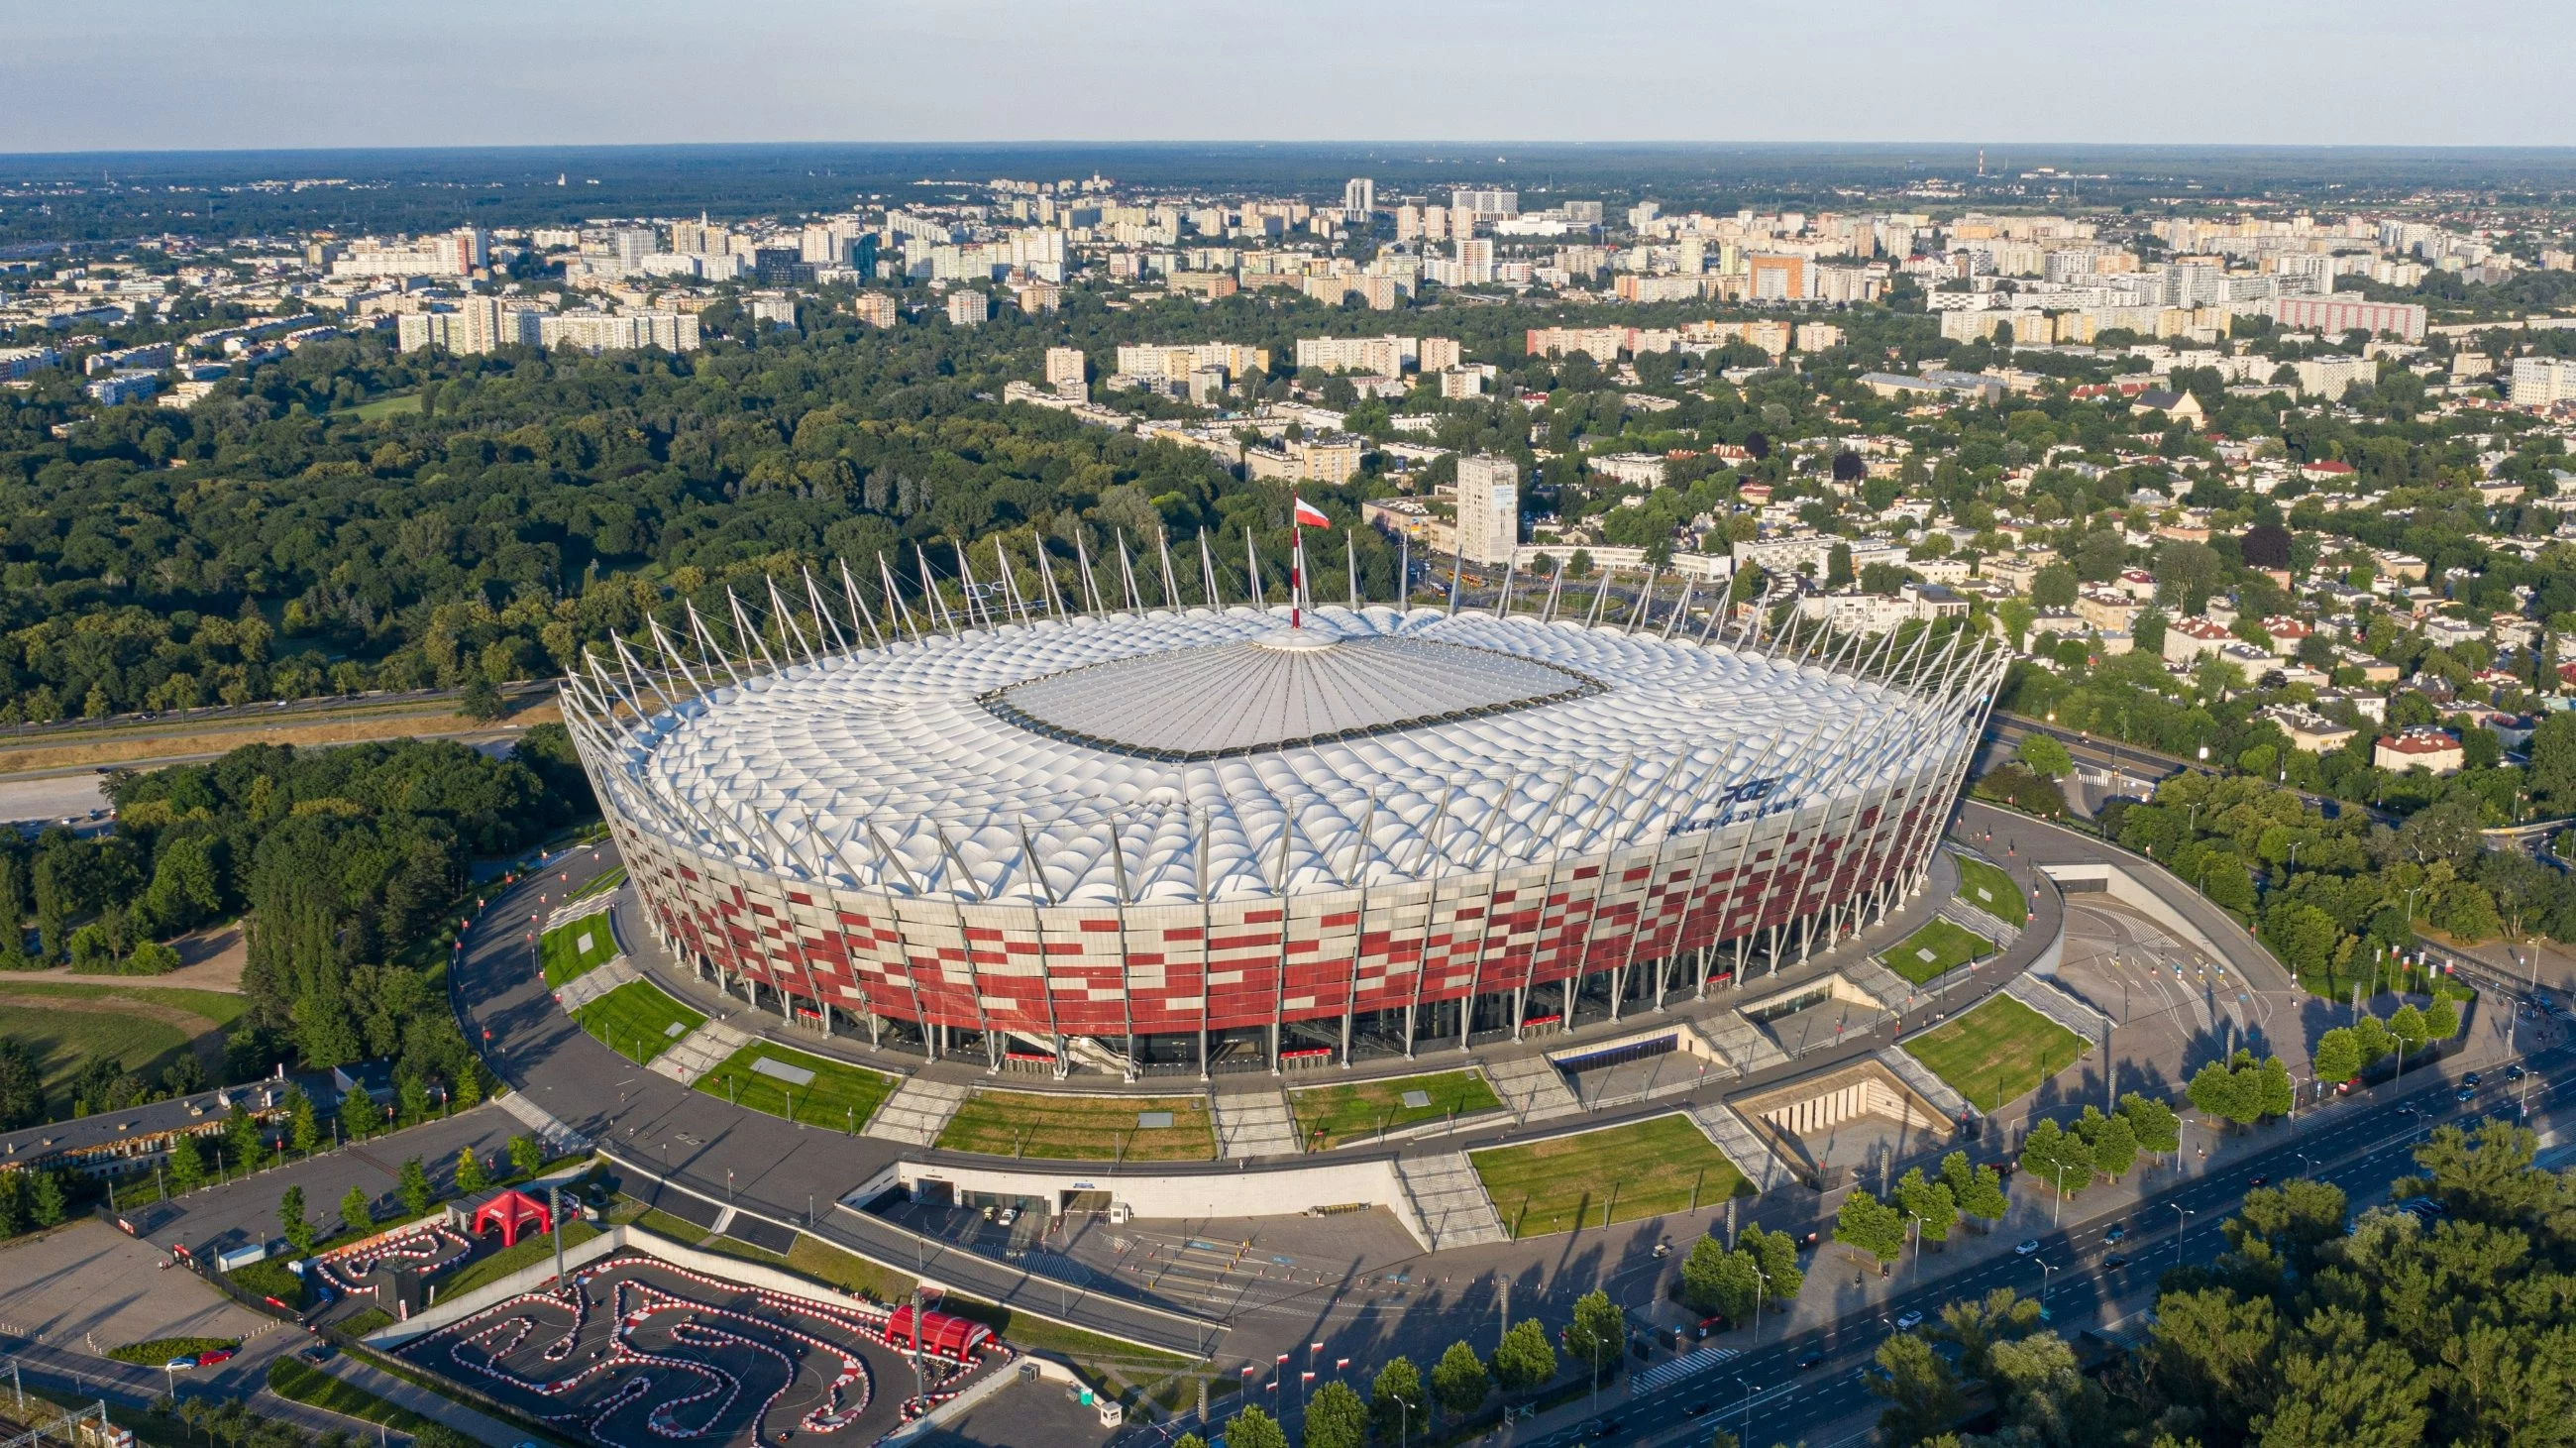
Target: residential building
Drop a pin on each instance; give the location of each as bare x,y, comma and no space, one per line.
1178,360
2337,315
1065,372
1382,356
1489,508
1359,197
2186,639
2309,732
968,307
2543,381
876,309
2437,750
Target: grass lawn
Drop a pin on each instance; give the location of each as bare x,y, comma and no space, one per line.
1021,1330
576,948
401,403
814,1258
305,1384
636,1020
153,1352
1084,1128
64,1032
607,880
528,1253
1592,1179
1329,1116
1996,1052
1934,949
663,1224
1991,890
840,1097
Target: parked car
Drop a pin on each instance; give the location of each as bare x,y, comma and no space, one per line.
181,1363
319,1353
1006,1216
214,1355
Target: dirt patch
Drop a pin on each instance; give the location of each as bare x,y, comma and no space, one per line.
213,740
211,959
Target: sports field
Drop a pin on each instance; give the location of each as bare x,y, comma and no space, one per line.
576,948
65,1025
636,1020
1330,1116
1997,1052
1991,890
1083,1128
1644,1169
837,1096
1938,947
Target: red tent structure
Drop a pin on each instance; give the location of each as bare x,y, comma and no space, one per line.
513,1212
942,1336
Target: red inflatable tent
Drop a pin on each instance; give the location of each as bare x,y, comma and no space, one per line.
512,1211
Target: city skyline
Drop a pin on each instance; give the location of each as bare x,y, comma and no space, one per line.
297,75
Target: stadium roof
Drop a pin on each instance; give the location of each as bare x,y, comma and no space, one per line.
1180,755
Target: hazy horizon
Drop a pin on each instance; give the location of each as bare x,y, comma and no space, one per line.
157,76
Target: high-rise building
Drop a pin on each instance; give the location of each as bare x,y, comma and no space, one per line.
631,244
876,309
2543,381
1359,197
968,307
1476,260
1485,203
2336,315
1489,508
1064,371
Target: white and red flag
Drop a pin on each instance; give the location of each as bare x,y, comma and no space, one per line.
1310,516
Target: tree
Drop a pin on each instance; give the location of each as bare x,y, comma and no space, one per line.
187,1169
1336,1418
1189,1440
355,1213
469,1171
2157,1124
525,1155
291,1220
1979,1191
414,1188
1776,1253
2045,756
359,1115
1524,1359
2056,1160
2275,1094
1976,1325
1461,1382
1598,1335
22,1086
2441,1019
1253,1428
1838,567
2053,587
2406,1023
2115,1144
481,700
2337,1056
302,1131
242,1137
2215,1091
1871,1226
51,1202
1395,1398
1920,1386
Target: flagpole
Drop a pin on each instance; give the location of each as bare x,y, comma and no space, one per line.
1296,569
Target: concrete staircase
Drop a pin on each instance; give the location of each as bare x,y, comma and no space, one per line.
2045,997
1932,1088
1532,1088
559,1139
1880,984
1450,1200
1740,1043
1730,1135
595,982
917,1112
700,1051
1252,1123
599,904
1969,917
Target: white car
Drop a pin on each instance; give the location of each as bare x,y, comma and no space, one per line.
1006,1216
1908,1320
2026,1246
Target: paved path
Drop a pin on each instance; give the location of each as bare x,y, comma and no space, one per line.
438,1409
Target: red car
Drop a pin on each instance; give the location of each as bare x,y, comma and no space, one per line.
213,1355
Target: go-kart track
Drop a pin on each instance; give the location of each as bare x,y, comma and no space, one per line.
634,1352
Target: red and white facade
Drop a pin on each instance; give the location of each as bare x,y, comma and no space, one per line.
1160,828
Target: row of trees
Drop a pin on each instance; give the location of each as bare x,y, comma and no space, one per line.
1933,1205
1460,1383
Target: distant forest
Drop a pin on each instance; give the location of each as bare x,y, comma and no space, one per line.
110,196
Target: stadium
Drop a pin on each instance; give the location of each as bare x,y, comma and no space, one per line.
1150,840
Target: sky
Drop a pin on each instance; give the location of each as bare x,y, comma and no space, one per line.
233,74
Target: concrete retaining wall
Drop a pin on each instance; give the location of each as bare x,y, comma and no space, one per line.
1272,1192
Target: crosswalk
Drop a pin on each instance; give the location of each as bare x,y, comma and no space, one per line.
1663,1375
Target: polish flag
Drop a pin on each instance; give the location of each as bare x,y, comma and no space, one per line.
1310,516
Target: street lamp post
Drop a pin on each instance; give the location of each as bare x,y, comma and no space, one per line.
2182,1224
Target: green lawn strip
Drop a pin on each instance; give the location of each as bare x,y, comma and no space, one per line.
1997,1052
302,1383
607,880
383,407
1022,1330
1081,1128
1991,890
662,1224
635,1020
365,1320
1935,949
153,1352
1356,1110
840,1096
824,1262
562,951
269,1278
1593,1178
64,1041
528,1253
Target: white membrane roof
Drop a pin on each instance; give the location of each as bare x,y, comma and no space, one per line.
1045,763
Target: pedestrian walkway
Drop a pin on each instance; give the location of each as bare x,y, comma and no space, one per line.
1533,1088
1663,1375
917,1112
1450,1200
699,1052
1253,1123
558,1139
1930,1087
1726,1130
433,1406
1880,984
599,904
1968,917
591,984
